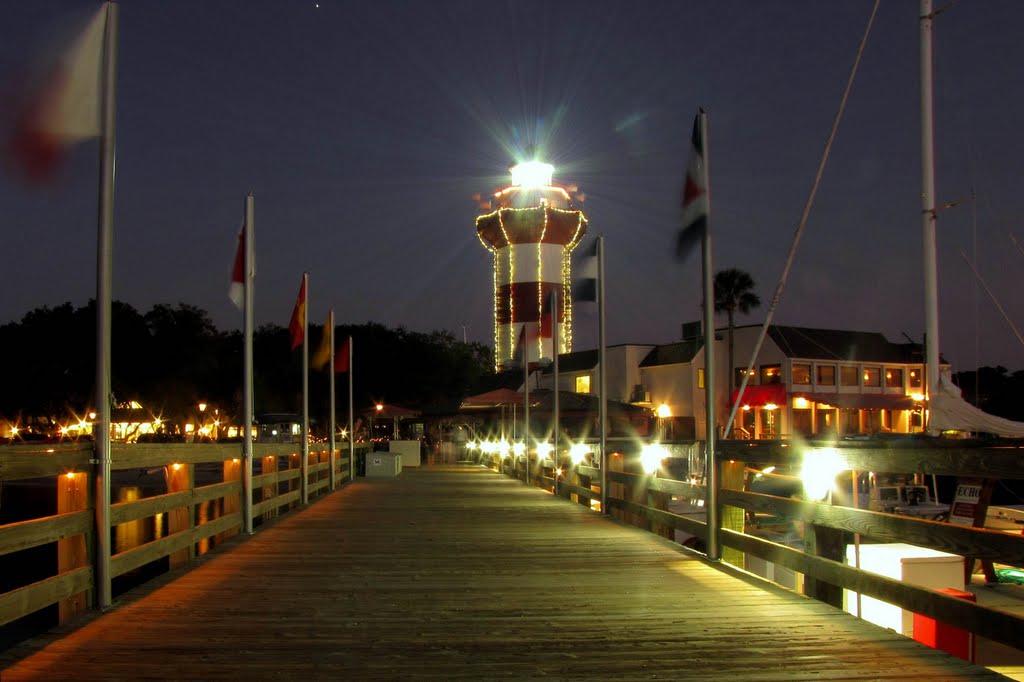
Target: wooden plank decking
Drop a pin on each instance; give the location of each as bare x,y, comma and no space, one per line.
451,573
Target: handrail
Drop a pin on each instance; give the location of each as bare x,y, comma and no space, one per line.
644,497
159,525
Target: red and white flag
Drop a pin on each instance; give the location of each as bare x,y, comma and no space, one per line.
695,191
547,315
64,106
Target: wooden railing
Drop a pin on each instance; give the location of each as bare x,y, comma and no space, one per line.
642,499
176,501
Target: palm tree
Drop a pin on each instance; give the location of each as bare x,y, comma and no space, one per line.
734,292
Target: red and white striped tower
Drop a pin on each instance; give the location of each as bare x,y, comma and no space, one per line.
531,231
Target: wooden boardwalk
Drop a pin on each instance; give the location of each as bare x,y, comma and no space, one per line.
451,573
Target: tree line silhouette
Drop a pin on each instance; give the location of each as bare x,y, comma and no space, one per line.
172,357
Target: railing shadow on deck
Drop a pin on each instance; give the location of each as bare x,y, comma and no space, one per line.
170,503
643,499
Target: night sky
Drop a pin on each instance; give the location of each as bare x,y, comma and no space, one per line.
365,129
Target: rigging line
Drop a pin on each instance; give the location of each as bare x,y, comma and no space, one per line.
1017,244
822,347
805,215
993,297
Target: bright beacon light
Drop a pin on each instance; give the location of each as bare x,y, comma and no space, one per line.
532,174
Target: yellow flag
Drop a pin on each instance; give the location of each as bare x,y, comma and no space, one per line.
323,352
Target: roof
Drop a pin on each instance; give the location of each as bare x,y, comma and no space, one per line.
672,353
577,361
495,398
834,344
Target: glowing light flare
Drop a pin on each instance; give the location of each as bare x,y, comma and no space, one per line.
176,466
820,468
578,452
917,396
70,475
664,411
800,402
532,174
544,449
651,456
518,449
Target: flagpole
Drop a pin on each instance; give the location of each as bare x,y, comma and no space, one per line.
330,369
602,405
304,464
351,415
526,399
711,420
104,279
247,358
554,371
928,213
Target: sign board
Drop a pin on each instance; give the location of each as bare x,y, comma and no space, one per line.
965,510
969,508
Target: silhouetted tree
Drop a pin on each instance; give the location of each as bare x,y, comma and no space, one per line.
734,292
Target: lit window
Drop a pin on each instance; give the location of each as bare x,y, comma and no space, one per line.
894,378
771,374
739,377
700,377
826,375
801,374
915,378
848,376
583,384
872,376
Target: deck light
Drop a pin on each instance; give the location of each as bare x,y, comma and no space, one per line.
544,449
821,466
578,452
518,449
651,456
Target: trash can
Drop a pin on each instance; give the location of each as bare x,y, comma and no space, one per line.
383,464
949,638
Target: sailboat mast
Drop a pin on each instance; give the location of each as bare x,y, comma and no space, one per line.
928,216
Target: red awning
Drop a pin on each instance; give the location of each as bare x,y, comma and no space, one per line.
861,401
759,396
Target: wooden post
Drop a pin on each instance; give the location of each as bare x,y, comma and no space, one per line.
230,504
829,543
583,482
659,500
295,462
127,535
179,478
268,466
72,496
733,518
617,490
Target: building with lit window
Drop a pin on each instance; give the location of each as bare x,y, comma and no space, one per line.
531,228
806,382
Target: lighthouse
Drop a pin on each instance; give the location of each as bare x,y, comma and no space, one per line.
531,229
